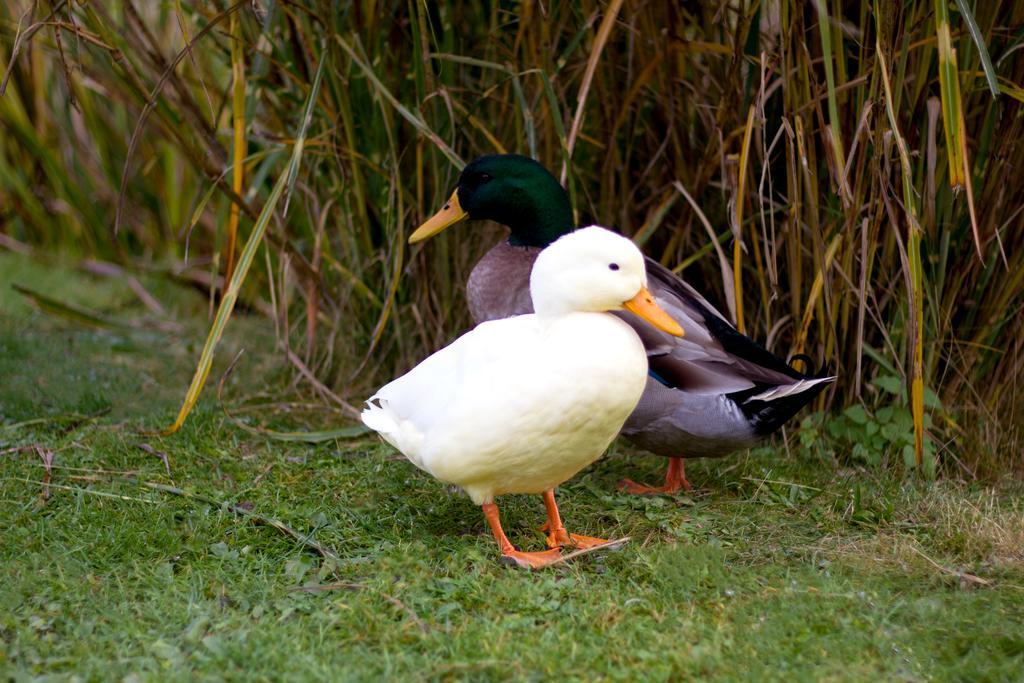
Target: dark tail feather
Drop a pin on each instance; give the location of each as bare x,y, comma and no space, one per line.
767,416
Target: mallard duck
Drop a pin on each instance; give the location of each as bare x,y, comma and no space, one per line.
520,404
710,393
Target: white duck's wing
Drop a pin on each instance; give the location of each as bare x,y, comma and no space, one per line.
713,357
406,410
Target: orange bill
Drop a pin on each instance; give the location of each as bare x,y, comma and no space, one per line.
643,305
450,213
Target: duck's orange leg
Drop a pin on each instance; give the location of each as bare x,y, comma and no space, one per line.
557,535
509,555
675,479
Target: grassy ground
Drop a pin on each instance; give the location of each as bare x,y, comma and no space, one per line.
782,566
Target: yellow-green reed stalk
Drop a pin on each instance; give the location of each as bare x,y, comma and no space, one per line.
832,132
950,92
737,243
916,278
234,285
815,294
953,115
239,144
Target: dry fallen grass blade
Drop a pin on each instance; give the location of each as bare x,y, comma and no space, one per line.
614,544
71,312
316,436
303,539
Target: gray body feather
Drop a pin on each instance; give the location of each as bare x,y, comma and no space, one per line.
673,423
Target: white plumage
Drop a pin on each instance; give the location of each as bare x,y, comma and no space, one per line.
520,405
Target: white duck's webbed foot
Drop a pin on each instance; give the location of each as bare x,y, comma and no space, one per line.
557,536
509,554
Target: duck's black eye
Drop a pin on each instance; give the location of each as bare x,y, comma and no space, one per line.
613,266
484,177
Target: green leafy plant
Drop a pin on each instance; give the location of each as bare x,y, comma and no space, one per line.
873,438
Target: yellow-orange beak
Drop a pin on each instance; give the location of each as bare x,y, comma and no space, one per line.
643,305
450,213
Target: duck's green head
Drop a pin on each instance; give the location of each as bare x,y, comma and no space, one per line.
509,189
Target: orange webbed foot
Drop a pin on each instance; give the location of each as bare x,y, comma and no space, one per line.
630,486
524,560
509,554
675,481
560,538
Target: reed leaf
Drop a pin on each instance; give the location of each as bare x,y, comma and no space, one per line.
600,40
737,245
950,91
417,121
835,138
239,143
979,42
227,303
913,259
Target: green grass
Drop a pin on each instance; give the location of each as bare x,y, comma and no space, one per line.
785,565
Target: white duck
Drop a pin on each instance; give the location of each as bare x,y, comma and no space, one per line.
522,404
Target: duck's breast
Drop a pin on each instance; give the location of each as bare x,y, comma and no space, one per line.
499,286
533,421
